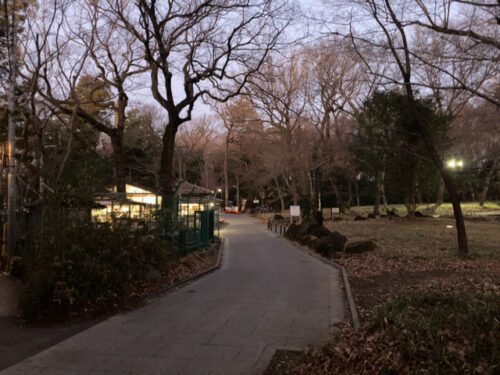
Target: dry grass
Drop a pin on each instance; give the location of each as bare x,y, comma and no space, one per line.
468,209
423,237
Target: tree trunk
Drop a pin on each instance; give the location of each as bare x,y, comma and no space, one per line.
69,145
237,192
166,175
226,172
378,192
356,191
349,192
119,161
487,181
457,210
336,191
382,187
280,194
11,152
440,194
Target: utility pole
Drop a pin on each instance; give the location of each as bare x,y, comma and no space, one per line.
11,138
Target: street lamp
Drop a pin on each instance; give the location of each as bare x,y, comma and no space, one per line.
454,163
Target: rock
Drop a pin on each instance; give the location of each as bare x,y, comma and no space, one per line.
292,231
329,246
320,232
359,218
392,213
371,216
278,217
359,247
307,227
308,238
419,214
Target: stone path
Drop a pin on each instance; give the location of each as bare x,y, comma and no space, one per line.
267,295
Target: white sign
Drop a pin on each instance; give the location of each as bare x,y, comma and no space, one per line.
294,211
256,201
335,210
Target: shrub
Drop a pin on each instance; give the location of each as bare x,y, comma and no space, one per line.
421,333
78,264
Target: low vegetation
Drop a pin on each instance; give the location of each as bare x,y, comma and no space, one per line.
86,266
423,309
421,333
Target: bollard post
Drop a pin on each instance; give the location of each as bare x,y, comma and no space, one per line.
268,224
276,228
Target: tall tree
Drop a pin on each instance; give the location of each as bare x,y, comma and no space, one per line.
391,22
197,49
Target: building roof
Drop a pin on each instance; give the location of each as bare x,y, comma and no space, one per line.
187,188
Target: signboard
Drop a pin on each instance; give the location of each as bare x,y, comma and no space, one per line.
335,210
294,211
256,201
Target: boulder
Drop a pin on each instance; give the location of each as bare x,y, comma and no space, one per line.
358,247
278,217
292,231
419,214
371,216
392,213
329,246
359,218
307,227
320,232
308,238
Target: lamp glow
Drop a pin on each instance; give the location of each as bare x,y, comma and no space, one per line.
453,163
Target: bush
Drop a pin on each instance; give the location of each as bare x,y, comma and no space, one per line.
441,333
421,333
75,265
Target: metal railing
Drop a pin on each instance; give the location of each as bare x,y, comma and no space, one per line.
277,227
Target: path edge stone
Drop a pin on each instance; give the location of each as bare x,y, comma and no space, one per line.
160,292
350,299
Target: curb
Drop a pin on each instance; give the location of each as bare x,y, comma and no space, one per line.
350,298
181,283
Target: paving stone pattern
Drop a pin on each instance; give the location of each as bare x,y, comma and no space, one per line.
267,295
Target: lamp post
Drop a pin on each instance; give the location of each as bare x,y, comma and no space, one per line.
455,164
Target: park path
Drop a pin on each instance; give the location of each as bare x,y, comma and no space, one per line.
267,295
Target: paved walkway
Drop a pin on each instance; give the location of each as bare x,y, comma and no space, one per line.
267,295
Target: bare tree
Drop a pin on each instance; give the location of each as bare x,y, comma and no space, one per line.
389,19
116,59
200,49
278,94
336,86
